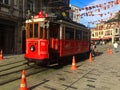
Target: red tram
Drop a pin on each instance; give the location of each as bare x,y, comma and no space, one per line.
50,40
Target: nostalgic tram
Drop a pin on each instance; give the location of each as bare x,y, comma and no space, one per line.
49,40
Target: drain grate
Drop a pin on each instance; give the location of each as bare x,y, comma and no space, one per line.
68,71
59,74
82,69
63,79
94,74
69,86
90,80
80,72
50,88
92,86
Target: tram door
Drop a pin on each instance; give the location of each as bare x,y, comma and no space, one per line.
54,40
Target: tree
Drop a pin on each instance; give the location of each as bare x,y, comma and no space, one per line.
115,18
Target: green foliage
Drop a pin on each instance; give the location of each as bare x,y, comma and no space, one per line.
116,18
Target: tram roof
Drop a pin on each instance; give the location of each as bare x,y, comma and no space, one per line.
71,23
35,20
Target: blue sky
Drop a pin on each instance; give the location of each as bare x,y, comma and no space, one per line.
83,3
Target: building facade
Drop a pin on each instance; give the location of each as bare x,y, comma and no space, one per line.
11,19
75,13
106,32
13,14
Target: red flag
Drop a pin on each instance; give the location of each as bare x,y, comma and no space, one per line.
117,1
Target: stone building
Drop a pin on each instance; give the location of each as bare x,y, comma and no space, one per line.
11,21
106,32
12,17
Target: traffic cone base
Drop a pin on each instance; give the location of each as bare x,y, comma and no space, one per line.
90,58
1,56
73,64
23,85
110,52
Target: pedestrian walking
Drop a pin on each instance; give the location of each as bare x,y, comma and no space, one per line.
93,46
115,46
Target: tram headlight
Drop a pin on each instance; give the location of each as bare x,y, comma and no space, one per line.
32,48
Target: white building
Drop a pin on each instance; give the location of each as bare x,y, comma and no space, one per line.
75,13
106,31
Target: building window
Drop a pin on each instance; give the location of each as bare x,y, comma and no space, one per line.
99,33
116,31
1,1
111,32
5,1
15,2
69,34
96,34
30,5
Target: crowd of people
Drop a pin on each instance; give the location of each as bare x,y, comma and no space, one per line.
93,47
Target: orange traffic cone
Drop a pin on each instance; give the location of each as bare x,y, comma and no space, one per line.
110,52
90,58
23,85
1,55
73,64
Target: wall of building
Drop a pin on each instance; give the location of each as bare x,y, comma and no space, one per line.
75,14
106,31
11,20
12,17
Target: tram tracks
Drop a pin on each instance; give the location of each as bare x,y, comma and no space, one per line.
16,75
10,72
10,63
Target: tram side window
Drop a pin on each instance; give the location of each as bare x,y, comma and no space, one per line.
41,32
85,36
69,34
78,35
54,30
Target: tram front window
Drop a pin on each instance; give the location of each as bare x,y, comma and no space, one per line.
31,31
36,30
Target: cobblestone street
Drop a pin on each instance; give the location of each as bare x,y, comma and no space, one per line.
103,73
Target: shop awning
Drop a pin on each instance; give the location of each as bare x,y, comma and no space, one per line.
106,38
95,38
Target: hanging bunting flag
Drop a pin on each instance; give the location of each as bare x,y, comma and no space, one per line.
96,10
117,1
